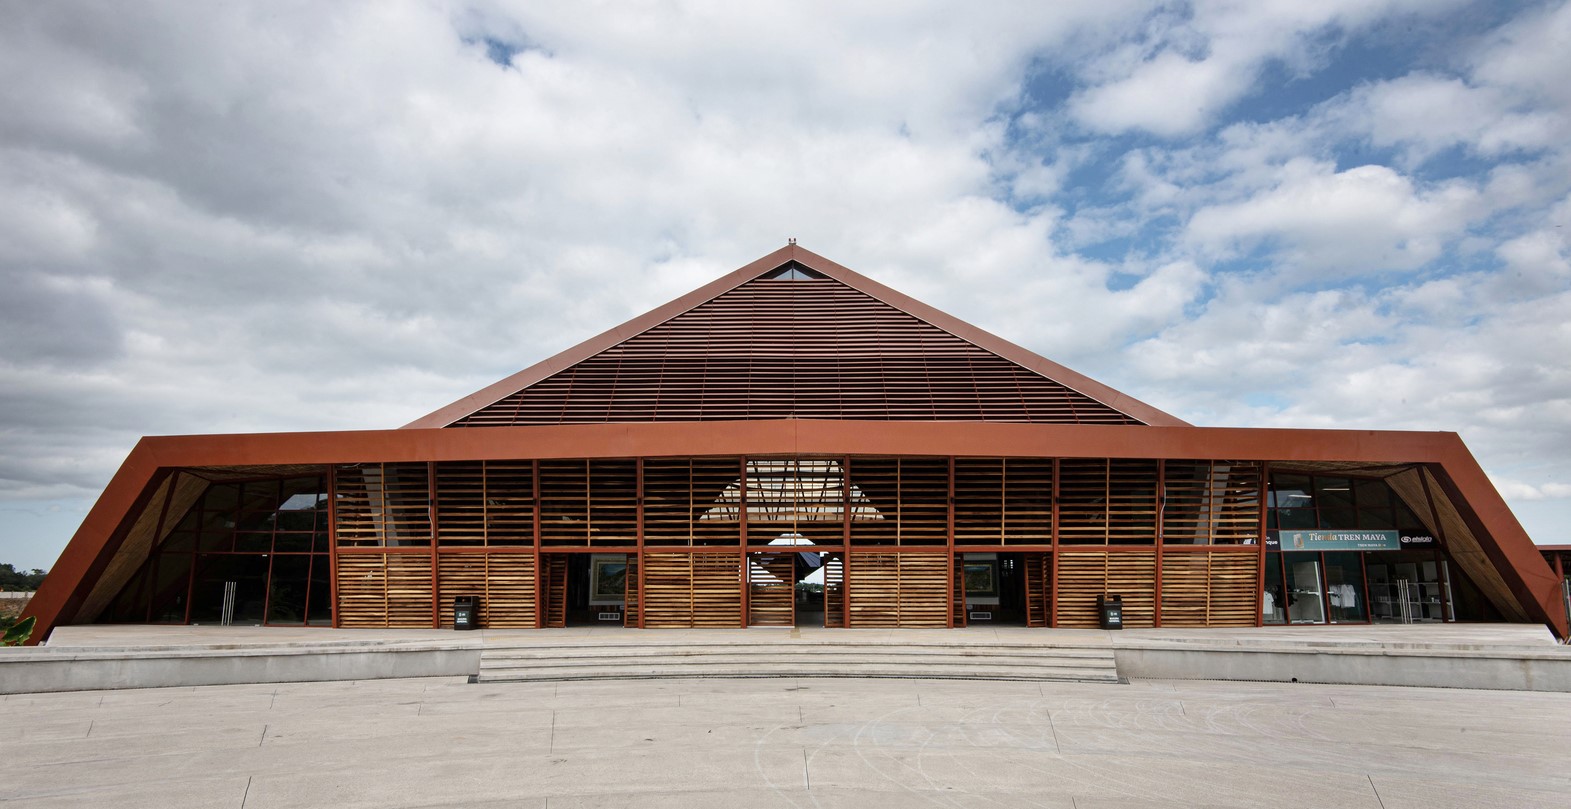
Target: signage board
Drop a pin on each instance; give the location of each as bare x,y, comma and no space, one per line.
1328,540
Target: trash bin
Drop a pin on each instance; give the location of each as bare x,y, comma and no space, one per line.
466,612
1110,611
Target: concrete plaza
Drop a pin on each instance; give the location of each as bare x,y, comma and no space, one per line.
786,743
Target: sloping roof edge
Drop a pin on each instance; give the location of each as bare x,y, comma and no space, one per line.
981,338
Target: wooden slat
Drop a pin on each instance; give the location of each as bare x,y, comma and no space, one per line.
1210,588
834,590
1083,575
692,590
383,505
771,589
888,589
505,583
1038,581
553,580
384,590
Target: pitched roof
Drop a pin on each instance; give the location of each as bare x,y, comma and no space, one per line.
795,335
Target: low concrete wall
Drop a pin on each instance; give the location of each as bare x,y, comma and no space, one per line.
1515,670
42,669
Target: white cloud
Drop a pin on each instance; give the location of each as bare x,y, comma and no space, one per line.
1348,223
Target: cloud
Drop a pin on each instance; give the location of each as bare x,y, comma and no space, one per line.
228,217
1187,73
1340,223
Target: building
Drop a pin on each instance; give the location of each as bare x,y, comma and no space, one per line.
795,443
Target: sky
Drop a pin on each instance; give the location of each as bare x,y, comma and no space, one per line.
270,216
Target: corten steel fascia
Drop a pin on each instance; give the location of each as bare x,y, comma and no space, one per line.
981,338
1520,563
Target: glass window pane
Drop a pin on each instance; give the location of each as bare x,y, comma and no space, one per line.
1333,492
1345,587
286,598
1338,519
321,606
1371,493
1273,605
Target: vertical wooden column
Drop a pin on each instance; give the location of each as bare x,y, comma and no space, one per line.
741,527
332,542
1260,573
638,621
430,507
1158,505
540,580
949,540
845,545
1057,559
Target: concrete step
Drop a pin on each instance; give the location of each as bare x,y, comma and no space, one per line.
786,657
892,653
648,670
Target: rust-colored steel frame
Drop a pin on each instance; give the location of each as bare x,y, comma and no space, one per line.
1443,456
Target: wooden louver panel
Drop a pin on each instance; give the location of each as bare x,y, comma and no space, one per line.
771,589
505,583
589,502
1038,586
384,590
1211,503
1003,501
811,348
834,590
957,594
899,589
382,505
692,590
1213,588
553,581
1107,502
489,503
631,615
1083,575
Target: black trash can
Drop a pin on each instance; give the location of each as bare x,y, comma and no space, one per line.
1110,611
466,612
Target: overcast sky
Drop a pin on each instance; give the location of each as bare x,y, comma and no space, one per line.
231,217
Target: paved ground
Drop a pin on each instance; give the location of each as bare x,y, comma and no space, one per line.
785,743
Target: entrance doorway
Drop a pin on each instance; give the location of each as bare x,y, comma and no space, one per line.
994,589
588,589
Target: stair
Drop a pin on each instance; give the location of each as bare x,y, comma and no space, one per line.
653,657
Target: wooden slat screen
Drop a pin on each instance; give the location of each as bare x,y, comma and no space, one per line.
911,495
834,590
1209,588
384,590
505,583
1107,502
692,501
1003,501
692,590
485,503
1211,502
589,502
812,348
771,589
957,594
1038,586
898,589
631,616
553,581
1083,575
382,504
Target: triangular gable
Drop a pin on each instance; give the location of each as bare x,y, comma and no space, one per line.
756,344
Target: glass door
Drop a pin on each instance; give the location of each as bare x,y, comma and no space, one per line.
1305,602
